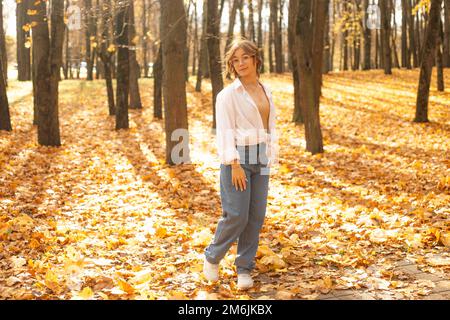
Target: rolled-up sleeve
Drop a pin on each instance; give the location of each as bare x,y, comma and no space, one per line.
225,130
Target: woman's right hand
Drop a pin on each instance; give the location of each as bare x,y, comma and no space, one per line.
238,178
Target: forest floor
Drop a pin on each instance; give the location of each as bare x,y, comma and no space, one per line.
103,216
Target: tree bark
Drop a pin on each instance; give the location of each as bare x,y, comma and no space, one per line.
446,43
276,34
174,27
203,64
297,115
215,66
308,70
157,91
427,62
260,34
135,96
5,119
195,51
144,38
23,53
241,18
231,23
326,54
412,50
251,22
405,61
439,58
3,47
385,37
123,64
47,65
367,38
106,56
89,31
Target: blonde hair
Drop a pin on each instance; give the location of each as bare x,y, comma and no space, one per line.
249,48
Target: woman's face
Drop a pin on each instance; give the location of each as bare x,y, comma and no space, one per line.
243,63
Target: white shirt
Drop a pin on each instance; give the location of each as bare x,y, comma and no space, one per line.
239,122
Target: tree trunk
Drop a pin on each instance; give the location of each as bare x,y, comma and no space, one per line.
417,39
173,23
439,58
271,46
3,47
297,116
23,53
241,18
251,22
367,38
195,51
412,50
427,62
276,33
345,50
144,37
157,91
5,119
405,58
326,54
394,51
446,43
106,56
280,28
357,38
89,32
203,58
94,41
188,42
260,34
135,96
385,37
308,70
214,53
67,50
319,17
47,65
232,23
123,64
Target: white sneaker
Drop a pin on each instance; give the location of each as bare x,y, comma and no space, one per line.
211,271
245,281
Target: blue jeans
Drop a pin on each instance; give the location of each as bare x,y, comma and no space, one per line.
243,212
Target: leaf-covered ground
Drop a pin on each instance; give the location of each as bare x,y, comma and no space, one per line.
102,216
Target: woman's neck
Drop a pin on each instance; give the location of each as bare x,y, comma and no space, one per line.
249,81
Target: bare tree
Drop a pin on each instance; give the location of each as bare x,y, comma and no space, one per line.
5,119
215,65
309,32
297,116
47,63
427,62
174,36
123,63
23,33
135,96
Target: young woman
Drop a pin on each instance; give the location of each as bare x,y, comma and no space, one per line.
247,147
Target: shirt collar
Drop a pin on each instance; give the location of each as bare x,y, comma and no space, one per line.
238,84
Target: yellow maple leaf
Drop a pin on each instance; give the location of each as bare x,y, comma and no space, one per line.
51,281
161,232
125,286
86,293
